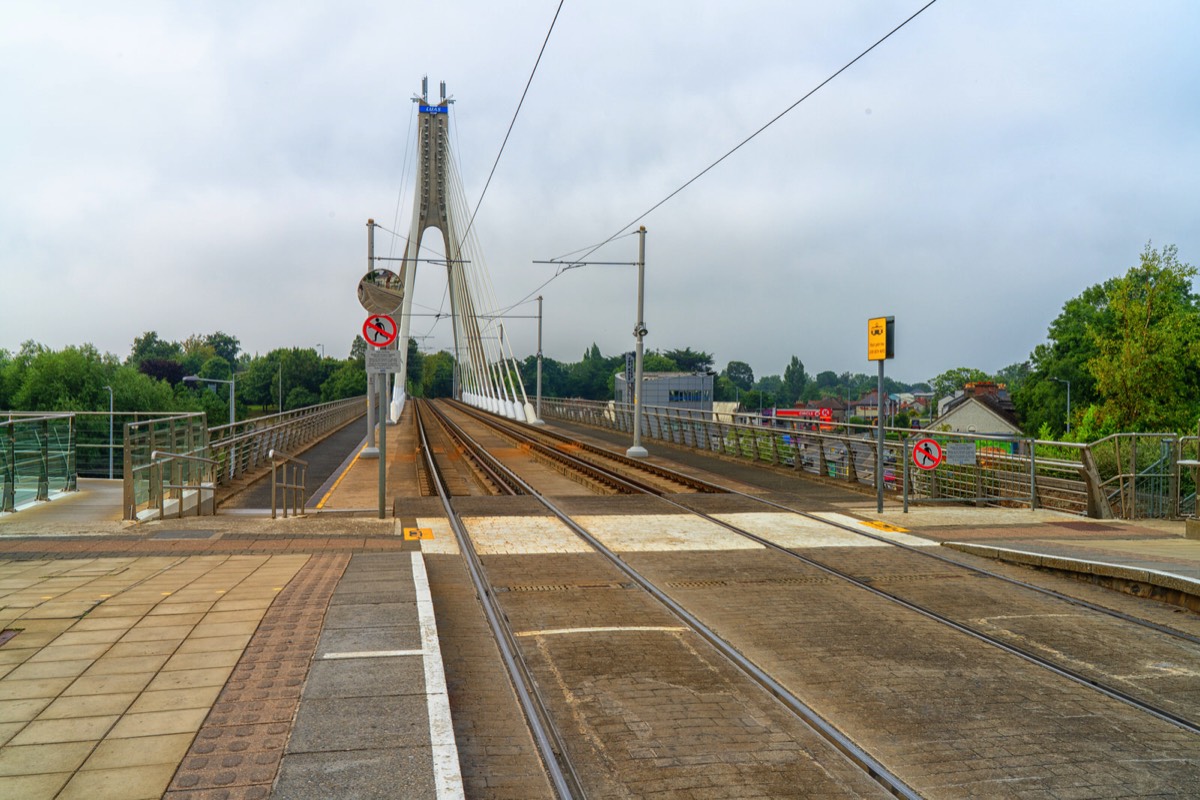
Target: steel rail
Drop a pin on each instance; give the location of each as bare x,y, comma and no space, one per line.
546,737
626,483
798,707
482,460
1076,601
1029,656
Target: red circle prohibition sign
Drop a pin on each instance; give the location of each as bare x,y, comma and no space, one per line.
927,454
379,330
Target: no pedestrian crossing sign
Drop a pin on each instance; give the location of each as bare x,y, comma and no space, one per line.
379,330
927,454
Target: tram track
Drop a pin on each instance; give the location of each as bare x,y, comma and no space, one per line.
1059,666
562,773
747,658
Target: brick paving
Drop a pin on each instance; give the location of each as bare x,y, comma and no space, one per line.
237,752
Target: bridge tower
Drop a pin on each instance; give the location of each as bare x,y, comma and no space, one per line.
436,204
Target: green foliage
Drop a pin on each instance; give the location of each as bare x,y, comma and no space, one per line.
740,375
215,368
952,380
688,359
348,380
657,362
438,377
794,381
1130,348
1147,368
415,365
148,345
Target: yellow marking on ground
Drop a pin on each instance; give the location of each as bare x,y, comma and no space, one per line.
345,472
883,526
633,628
414,534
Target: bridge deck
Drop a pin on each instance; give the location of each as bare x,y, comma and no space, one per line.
185,657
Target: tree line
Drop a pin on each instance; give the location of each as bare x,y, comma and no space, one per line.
1129,347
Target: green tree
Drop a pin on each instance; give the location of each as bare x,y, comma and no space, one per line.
952,380
1041,399
770,384
657,362
215,368
224,345
1148,368
438,377
794,381
740,375
415,365
148,345
690,360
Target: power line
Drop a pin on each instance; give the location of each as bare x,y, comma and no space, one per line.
745,141
514,120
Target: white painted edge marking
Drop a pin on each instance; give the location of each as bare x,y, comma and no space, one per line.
373,654
1158,572
560,631
446,773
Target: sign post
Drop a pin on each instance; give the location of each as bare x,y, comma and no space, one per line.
881,345
379,331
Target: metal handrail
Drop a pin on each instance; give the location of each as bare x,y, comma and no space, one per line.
296,491
158,458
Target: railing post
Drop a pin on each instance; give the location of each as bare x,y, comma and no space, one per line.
8,503
1032,474
72,483
43,488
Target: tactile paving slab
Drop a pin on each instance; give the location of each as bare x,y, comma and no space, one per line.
237,752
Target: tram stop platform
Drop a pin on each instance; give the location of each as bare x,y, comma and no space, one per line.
1148,558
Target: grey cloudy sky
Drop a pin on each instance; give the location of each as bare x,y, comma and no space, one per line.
191,167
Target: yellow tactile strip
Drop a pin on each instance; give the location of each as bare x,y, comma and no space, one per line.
116,665
237,752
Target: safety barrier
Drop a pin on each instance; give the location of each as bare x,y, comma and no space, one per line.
182,483
1128,476
239,450
37,457
295,486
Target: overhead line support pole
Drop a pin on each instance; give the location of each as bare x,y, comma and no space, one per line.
639,332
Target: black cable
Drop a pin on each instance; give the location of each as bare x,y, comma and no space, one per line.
742,143
512,123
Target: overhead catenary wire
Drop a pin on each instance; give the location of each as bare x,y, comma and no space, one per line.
749,138
528,83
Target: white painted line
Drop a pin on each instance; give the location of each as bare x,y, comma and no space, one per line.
561,631
374,654
446,773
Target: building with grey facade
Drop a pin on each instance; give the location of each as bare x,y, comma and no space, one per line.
672,389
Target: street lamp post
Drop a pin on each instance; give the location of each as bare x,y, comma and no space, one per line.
110,432
232,410
1068,383
639,332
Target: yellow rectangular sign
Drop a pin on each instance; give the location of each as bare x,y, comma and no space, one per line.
878,346
414,534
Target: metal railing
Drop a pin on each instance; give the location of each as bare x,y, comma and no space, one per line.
241,450
37,457
295,488
183,480
185,435
1127,475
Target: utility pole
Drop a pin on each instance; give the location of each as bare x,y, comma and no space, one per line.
371,451
639,332
537,411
